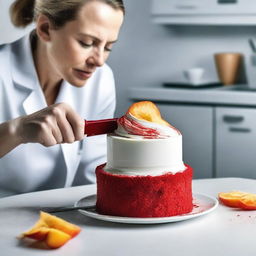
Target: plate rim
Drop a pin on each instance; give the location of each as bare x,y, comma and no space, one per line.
151,220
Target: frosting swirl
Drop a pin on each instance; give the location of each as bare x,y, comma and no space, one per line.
132,127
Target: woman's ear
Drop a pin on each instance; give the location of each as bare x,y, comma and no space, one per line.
43,26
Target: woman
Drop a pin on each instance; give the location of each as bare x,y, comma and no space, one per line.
50,81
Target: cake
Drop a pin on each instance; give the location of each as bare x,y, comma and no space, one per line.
144,175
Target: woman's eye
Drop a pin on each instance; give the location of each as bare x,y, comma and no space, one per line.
83,44
108,49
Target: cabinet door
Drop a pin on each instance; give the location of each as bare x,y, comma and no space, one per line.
196,125
203,7
204,12
178,7
235,142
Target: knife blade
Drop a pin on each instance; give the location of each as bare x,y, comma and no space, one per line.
97,127
67,208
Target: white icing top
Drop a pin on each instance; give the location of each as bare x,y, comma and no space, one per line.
141,147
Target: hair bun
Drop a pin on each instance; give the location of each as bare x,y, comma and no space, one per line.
22,12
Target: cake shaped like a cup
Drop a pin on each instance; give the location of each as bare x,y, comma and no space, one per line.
144,175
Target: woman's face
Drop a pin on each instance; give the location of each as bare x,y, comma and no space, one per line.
82,45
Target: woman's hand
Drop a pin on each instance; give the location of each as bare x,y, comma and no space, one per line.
56,124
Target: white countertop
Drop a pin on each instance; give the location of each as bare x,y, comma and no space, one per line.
225,95
225,231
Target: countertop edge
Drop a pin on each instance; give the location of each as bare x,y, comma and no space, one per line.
195,96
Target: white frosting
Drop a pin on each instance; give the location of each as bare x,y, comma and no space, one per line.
164,131
129,156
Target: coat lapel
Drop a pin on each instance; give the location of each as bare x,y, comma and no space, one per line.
25,76
26,80
71,152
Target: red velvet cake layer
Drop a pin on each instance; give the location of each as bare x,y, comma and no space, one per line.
144,196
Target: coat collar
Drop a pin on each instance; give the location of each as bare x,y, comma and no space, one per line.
25,77
23,68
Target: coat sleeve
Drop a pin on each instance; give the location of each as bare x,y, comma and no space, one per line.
95,147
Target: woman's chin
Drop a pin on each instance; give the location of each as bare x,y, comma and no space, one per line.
77,82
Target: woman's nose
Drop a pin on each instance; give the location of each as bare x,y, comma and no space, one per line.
98,57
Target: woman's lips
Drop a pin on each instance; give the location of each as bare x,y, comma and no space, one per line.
82,74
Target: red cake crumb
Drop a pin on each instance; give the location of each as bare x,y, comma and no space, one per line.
144,196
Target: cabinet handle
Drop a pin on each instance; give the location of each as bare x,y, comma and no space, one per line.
186,7
227,1
233,119
242,130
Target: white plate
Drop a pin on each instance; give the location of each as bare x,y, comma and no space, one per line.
203,204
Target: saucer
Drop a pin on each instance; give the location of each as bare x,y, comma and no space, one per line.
202,205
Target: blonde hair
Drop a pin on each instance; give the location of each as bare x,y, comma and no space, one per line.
24,12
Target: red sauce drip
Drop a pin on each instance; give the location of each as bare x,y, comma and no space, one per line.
135,128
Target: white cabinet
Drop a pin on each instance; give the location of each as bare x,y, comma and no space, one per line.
217,141
196,126
204,12
235,142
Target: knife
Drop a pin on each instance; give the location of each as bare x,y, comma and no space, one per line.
67,208
86,203
97,127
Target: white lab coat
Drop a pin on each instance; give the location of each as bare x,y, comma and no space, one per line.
31,167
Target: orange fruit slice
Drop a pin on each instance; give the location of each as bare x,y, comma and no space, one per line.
53,230
56,238
147,111
232,199
248,202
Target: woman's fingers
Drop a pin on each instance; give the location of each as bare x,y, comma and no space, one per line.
48,140
56,124
57,134
44,136
66,131
70,123
77,124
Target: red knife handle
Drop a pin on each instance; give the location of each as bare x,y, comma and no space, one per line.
96,127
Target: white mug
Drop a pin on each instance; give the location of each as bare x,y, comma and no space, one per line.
194,75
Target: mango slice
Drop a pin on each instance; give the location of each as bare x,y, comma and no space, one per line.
238,199
56,238
248,202
147,111
39,233
60,224
231,199
53,230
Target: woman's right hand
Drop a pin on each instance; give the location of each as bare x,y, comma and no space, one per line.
56,124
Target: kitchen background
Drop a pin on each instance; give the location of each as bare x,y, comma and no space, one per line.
148,54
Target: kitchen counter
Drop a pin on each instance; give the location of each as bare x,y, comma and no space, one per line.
225,231
224,95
